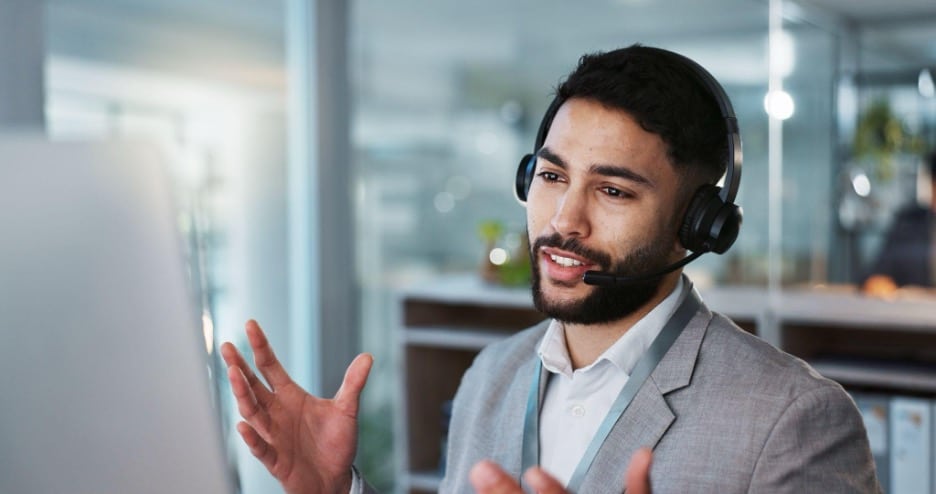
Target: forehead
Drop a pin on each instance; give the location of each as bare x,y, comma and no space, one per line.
585,132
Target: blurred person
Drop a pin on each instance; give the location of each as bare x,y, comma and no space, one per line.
631,382
908,254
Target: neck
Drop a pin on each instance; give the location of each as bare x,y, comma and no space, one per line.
586,342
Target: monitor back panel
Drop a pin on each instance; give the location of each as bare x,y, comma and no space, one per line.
104,382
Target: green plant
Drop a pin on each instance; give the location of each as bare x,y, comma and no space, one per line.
490,231
880,136
510,266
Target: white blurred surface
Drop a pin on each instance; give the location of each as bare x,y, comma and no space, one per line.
103,371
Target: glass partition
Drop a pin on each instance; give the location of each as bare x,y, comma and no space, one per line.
891,135
807,58
853,152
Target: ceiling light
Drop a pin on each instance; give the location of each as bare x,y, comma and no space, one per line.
861,184
779,104
925,84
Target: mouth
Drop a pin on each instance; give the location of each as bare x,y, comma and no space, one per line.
565,261
564,266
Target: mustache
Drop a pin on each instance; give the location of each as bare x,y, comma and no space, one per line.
574,246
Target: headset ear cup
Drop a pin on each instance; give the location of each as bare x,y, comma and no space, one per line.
524,176
726,227
709,223
688,231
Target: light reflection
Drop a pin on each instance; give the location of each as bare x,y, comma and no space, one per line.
779,104
925,84
208,330
783,53
444,202
861,184
498,256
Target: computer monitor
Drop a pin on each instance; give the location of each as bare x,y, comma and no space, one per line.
104,377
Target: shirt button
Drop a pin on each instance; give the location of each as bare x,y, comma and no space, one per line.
578,410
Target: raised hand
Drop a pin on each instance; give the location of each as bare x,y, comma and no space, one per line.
306,442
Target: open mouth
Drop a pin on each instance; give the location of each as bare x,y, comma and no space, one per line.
563,266
565,261
565,258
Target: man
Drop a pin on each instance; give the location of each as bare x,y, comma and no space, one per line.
642,374
908,255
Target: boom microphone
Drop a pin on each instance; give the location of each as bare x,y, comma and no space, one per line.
601,278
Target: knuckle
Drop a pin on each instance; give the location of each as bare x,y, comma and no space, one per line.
248,410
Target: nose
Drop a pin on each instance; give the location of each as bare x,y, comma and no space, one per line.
571,216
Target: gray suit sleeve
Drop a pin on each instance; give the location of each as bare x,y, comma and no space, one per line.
819,444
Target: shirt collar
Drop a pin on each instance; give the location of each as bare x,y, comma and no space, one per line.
625,352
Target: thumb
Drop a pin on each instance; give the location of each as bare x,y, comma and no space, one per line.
637,478
349,394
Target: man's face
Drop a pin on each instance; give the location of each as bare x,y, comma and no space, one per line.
604,197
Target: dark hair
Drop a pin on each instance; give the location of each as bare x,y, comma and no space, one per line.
665,97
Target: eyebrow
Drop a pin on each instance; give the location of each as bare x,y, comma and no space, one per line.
598,169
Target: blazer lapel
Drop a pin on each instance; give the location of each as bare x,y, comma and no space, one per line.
643,424
510,428
649,416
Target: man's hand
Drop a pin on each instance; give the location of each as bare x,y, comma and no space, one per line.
637,478
488,478
307,443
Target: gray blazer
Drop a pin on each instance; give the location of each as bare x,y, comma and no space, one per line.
723,411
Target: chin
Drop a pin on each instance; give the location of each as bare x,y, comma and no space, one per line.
592,304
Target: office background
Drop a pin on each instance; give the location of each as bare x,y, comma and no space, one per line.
328,154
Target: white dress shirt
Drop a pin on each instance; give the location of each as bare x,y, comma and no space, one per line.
576,401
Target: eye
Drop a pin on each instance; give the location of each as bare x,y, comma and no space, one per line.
616,193
548,176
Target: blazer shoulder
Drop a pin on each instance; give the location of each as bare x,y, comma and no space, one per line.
745,358
764,413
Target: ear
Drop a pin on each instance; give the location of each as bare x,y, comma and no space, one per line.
678,250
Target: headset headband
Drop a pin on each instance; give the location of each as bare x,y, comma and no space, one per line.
705,78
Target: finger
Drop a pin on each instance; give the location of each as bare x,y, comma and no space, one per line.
258,447
637,478
264,357
232,356
488,478
247,404
348,396
542,482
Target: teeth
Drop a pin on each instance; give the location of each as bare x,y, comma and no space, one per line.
565,261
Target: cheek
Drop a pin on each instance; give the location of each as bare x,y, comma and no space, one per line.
646,228
537,218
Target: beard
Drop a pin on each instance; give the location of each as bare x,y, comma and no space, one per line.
604,303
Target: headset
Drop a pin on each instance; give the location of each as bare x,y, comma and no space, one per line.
712,220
